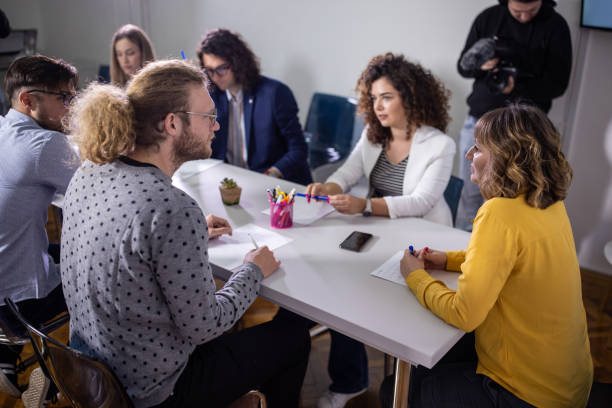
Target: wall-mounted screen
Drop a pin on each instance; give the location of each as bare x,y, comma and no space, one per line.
597,14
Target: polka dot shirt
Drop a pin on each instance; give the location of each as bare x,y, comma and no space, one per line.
137,278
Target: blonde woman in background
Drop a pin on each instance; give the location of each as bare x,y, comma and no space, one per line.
131,49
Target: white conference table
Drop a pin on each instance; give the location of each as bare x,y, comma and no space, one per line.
333,286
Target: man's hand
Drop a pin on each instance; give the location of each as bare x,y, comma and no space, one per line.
264,258
347,204
217,226
274,172
490,64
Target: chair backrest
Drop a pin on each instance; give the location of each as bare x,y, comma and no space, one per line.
330,124
83,380
452,194
12,331
104,74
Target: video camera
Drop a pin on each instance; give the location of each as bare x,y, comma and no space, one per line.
486,49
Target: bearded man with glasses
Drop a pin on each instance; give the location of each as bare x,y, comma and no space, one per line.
260,129
36,165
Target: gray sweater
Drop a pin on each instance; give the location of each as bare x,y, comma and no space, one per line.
137,279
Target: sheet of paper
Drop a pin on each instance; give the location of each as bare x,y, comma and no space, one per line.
192,167
390,271
305,213
229,251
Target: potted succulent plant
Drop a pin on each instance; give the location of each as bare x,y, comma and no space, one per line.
230,191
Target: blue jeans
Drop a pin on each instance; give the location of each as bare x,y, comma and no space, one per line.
471,199
348,364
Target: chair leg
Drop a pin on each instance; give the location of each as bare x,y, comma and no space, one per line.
389,364
319,329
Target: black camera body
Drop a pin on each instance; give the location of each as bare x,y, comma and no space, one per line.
486,49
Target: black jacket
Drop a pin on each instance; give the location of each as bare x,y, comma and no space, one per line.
542,54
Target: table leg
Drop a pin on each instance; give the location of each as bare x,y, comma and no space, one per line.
402,380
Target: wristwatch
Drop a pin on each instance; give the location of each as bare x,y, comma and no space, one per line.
368,208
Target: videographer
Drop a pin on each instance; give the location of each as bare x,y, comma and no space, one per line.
516,50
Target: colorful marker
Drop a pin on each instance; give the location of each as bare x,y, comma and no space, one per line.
308,196
411,248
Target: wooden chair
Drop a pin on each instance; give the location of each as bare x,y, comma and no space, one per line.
13,333
86,382
83,381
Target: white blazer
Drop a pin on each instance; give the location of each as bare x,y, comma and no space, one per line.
427,174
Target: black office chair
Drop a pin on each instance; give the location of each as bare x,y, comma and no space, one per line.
329,128
104,74
452,194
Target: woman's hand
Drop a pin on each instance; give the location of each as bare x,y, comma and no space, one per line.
433,259
411,263
316,189
217,226
347,204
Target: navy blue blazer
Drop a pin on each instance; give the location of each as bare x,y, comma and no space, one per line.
273,132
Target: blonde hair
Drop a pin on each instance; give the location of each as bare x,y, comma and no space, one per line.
136,35
525,156
106,121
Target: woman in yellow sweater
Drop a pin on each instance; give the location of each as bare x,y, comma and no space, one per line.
519,287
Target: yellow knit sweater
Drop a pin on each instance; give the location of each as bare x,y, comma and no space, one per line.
520,289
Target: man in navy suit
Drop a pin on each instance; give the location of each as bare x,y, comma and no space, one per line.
260,129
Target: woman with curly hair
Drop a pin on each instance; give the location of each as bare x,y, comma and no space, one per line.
403,151
519,287
131,49
408,160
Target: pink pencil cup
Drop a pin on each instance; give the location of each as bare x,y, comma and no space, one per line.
281,215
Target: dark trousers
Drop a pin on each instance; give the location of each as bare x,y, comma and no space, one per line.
348,364
453,382
271,357
36,311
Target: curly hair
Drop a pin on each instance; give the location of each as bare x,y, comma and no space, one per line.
136,35
424,97
525,156
230,47
106,121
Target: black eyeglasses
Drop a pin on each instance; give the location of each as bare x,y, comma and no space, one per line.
221,70
211,116
66,97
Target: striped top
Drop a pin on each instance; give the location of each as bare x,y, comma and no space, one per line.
387,179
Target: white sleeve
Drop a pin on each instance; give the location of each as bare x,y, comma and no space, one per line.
431,186
352,169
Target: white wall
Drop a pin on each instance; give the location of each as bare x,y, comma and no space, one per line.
322,45
590,151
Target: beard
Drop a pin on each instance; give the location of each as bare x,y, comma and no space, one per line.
189,147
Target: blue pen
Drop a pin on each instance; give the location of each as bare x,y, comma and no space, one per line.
411,249
323,198
183,54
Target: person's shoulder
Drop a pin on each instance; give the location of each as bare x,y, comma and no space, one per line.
507,208
434,138
490,12
271,85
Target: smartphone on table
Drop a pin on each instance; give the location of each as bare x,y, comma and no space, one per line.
355,241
